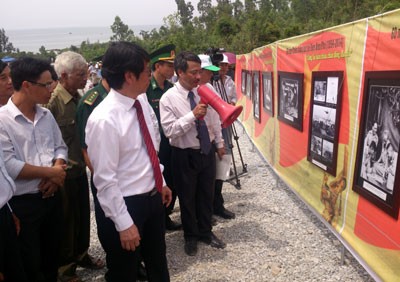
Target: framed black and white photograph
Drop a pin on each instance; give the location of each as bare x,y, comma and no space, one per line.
256,95
290,99
320,90
316,145
377,168
268,102
244,82
325,107
249,84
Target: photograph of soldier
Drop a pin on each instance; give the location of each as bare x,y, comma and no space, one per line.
368,161
256,95
327,150
319,91
248,84
323,121
289,98
267,91
381,138
316,144
379,168
243,81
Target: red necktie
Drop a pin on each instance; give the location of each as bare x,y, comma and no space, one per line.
150,147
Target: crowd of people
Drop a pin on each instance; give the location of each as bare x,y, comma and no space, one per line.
147,140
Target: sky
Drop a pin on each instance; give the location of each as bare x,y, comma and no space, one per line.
23,14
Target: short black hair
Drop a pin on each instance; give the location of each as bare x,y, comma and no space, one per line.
27,69
2,66
182,59
121,57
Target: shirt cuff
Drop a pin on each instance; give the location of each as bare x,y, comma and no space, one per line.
123,221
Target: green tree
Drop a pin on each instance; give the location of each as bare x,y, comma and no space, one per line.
121,31
5,46
185,11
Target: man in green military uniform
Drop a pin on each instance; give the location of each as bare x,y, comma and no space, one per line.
86,105
162,66
71,69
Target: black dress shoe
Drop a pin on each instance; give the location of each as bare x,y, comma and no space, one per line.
172,226
191,247
224,213
213,241
141,273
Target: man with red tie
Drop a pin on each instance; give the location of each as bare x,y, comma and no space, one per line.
127,174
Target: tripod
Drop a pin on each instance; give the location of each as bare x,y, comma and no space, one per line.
231,132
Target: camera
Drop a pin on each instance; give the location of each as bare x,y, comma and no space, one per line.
216,55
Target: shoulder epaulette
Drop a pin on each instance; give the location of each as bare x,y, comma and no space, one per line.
90,99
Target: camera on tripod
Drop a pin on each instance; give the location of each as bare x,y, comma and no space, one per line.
216,55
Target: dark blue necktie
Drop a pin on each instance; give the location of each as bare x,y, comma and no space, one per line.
202,131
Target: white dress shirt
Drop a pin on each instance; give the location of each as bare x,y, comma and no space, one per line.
230,88
178,120
7,186
117,151
37,143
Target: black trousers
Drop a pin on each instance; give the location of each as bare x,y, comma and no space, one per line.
39,238
194,183
165,156
10,259
218,198
147,213
76,222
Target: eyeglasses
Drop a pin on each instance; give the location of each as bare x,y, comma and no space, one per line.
48,85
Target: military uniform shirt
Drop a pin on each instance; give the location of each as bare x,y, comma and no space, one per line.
86,105
154,93
63,107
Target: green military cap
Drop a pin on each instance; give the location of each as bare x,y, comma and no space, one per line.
165,53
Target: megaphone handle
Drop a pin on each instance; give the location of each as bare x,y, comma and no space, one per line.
202,102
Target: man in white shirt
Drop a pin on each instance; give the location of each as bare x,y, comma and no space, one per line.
193,160
35,156
127,173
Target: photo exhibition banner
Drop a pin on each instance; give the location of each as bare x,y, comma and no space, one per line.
324,111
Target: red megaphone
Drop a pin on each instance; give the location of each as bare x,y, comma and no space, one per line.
227,112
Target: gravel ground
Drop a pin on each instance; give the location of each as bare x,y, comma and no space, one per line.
274,237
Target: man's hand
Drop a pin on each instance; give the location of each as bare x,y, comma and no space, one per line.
166,195
47,188
130,238
200,110
221,152
58,174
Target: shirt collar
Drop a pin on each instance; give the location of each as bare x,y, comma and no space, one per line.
125,102
154,83
63,93
15,112
183,91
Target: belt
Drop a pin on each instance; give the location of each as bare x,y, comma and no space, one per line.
149,194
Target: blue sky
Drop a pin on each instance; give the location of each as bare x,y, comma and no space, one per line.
22,14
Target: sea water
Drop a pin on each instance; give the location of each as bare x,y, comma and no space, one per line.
30,40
